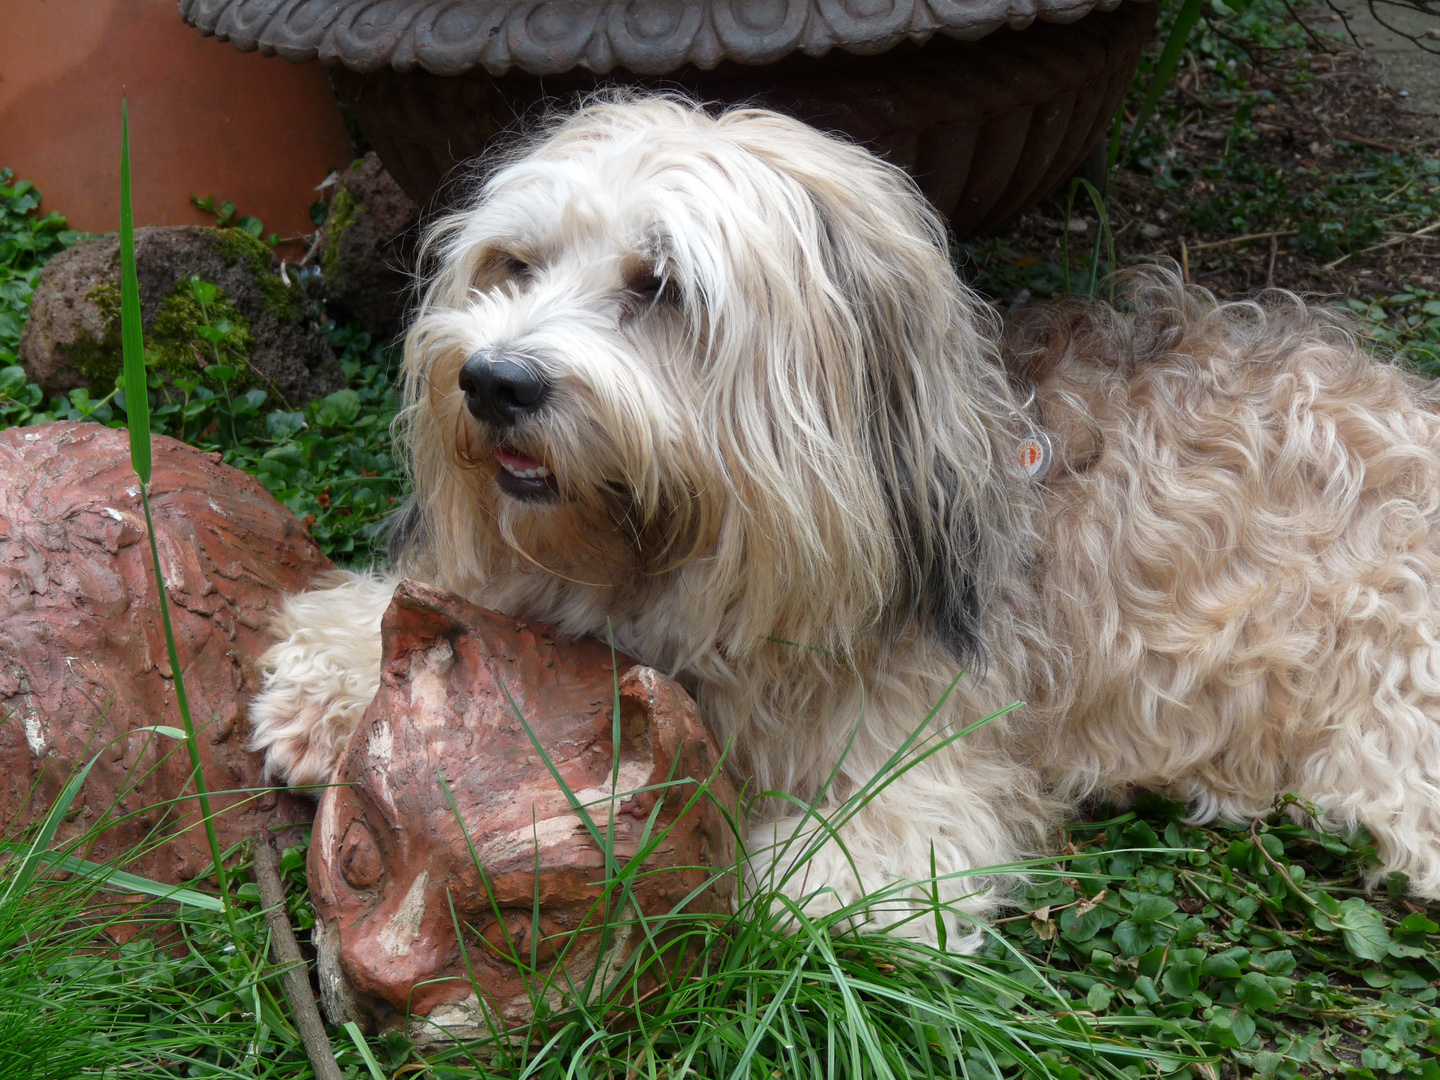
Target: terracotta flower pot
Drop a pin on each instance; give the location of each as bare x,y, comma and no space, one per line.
202,119
988,111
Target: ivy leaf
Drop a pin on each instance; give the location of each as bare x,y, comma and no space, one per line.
1152,909
1276,961
1136,938
1267,1062
1273,846
1181,979
1360,925
203,292
1141,835
1254,991
1225,965
1099,998
338,409
1415,925
1083,926
1232,1029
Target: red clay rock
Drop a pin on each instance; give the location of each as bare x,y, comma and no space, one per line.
83,664
441,765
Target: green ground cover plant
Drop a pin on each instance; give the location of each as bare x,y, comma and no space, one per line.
1155,949
27,241
331,462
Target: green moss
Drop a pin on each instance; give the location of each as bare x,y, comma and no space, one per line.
344,209
236,245
180,350
171,340
100,360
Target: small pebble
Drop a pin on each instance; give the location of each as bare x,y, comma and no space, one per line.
1151,231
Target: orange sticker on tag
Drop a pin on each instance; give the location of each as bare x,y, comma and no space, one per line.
1035,455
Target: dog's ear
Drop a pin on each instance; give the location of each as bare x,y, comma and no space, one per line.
932,522
938,415
404,532
941,558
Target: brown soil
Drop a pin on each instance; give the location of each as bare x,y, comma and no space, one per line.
1312,132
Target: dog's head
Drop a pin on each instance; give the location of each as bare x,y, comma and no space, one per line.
719,359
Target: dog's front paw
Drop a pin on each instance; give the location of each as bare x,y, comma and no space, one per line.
320,678
849,884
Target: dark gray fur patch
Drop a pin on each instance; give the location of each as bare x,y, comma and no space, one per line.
941,567
403,531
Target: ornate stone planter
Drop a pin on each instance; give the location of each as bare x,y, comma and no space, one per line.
989,103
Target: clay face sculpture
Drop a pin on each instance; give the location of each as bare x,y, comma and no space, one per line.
83,666
445,815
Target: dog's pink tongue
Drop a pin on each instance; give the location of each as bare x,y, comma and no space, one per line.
507,456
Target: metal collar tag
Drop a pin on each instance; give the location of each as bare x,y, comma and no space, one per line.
1036,455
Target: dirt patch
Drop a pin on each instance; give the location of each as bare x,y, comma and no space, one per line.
1311,175
1391,50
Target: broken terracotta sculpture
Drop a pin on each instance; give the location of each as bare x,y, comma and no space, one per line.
440,763
442,775
83,664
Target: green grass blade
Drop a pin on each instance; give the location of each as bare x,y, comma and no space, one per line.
1117,141
353,1031
37,848
1166,66
137,411
107,877
766,1024
132,343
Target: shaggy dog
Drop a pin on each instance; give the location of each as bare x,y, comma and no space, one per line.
711,385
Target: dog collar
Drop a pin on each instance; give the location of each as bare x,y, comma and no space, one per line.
1036,454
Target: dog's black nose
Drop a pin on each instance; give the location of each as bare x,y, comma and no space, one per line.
500,389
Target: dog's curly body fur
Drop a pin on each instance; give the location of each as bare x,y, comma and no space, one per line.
783,436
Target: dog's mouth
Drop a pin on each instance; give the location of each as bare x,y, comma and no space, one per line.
523,477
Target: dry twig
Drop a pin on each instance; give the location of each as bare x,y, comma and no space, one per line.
1242,239
287,953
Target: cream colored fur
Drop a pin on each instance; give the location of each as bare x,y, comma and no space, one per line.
790,479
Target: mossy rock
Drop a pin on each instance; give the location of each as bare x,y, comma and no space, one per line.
72,337
367,248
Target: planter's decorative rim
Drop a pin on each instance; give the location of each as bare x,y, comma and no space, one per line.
647,37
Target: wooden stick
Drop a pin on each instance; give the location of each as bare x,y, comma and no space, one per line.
1242,239
287,953
1374,144
1397,238
1335,136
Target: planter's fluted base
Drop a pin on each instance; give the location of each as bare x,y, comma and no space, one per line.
987,127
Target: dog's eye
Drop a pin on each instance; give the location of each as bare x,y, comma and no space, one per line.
500,266
647,289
